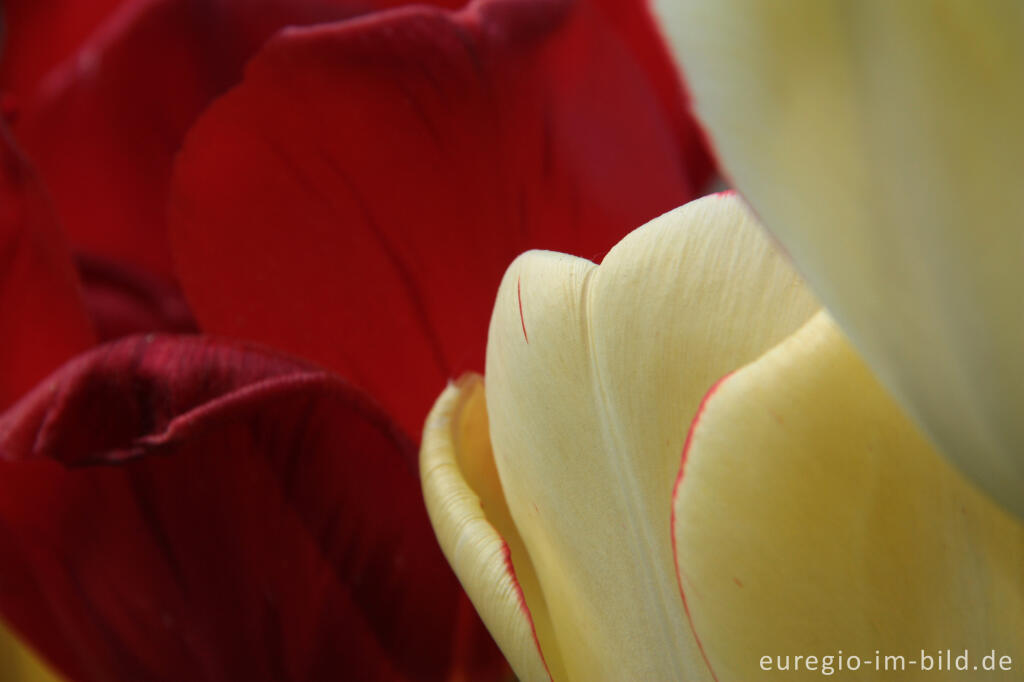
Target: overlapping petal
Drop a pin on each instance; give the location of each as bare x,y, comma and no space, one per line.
40,34
19,664
43,320
123,300
813,518
104,125
223,513
592,376
398,162
471,518
881,142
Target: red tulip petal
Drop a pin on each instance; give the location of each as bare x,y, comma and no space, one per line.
195,510
104,126
123,300
39,34
356,199
643,35
42,317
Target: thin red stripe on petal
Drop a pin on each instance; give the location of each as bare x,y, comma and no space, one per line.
672,525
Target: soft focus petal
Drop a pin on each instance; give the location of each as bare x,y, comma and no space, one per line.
39,34
103,128
811,516
18,663
589,370
388,169
123,300
639,30
881,141
469,514
42,317
173,508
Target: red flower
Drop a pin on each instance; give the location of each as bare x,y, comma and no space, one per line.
185,507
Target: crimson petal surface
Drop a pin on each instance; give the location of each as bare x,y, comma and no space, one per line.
43,320
356,199
177,508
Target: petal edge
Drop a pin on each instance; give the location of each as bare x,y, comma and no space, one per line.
499,580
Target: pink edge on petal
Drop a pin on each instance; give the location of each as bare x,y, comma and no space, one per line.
675,493
519,293
522,603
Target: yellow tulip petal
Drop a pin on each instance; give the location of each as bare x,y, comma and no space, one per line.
468,511
18,663
589,371
812,516
882,143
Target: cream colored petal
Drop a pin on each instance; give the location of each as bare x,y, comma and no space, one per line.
812,516
882,143
590,371
468,511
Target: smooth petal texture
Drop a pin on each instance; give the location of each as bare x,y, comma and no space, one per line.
43,321
890,172
103,128
123,300
809,501
589,370
399,162
175,508
39,34
471,519
19,664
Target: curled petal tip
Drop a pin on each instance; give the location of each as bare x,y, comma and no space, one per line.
471,519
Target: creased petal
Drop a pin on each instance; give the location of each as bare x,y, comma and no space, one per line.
881,142
588,371
174,508
807,500
388,166
468,511
104,126
43,321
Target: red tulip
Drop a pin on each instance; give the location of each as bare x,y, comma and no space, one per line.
181,507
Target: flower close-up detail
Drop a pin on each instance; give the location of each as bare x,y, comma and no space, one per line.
229,295
891,177
494,340
613,518
677,467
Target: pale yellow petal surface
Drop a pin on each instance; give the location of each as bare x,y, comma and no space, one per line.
592,373
882,143
812,516
476,533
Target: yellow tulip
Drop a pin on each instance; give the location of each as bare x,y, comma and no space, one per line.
881,142
613,520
